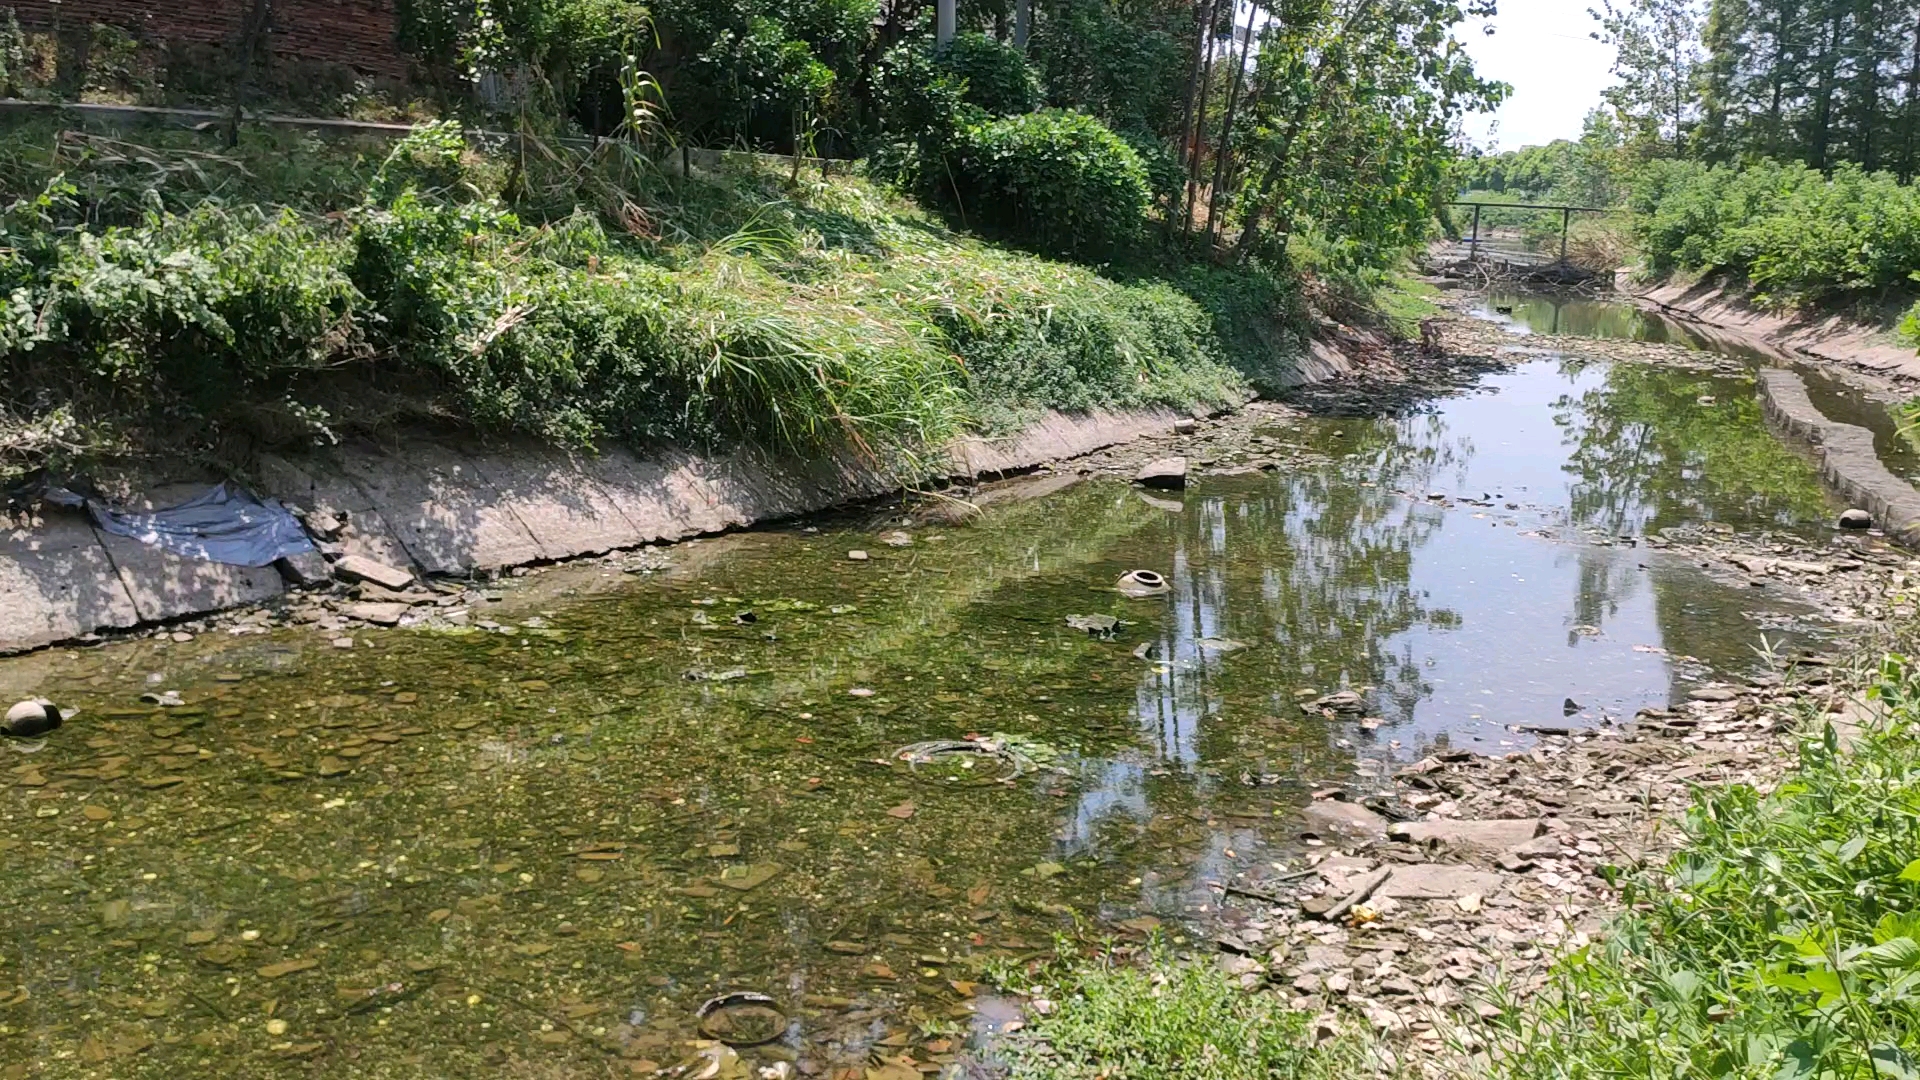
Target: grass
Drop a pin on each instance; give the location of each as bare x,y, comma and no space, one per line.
175,292
1781,942
1164,1019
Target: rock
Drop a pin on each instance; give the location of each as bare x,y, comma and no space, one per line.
1569,707
305,569
324,525
1544,846
1185,426
1170,473
897,538
1100,626
1345,822
35,716
1340,701
1712,693
1440,881
857,555
1856,518
383,614
361,568
1490,836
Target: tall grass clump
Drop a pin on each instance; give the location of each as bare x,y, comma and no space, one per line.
1782,942
1796,236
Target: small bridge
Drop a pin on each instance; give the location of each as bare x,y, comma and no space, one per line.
1503,250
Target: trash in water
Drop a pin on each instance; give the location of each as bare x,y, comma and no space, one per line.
34,716
742,1018
1100,626
1140,583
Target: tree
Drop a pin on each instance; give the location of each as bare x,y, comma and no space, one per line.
1659,62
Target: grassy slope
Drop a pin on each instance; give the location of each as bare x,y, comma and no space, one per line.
289,288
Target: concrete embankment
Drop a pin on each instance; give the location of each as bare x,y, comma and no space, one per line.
430,507
1848,460
1827,337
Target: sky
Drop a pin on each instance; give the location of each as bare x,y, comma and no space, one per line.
1541,47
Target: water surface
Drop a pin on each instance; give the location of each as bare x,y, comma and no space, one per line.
542,847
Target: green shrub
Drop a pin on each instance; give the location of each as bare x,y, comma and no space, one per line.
1794,235
998,79
196,308
1056,178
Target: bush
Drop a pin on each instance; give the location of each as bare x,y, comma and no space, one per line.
1794,235
998,79
1060,180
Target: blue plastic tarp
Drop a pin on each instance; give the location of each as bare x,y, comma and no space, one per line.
223,524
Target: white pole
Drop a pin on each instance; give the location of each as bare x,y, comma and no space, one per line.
943,22
1022,22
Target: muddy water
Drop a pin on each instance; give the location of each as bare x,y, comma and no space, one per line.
1544,313
543,846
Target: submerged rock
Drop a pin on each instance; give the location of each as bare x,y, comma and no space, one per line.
1344,822
1856,518
35,716
1165,473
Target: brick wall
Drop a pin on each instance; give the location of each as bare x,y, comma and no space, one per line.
358,33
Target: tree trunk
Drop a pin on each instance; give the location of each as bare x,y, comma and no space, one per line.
1820,141
1204,14
1239,73
1191,204
1913,103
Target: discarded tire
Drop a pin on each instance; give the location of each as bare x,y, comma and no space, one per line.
743,1018
1142,583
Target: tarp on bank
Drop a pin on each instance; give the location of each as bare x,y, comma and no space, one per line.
223,524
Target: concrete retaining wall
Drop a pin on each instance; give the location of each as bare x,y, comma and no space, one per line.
446,508
1848,460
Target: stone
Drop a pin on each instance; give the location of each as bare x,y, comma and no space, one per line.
305,569
1855,518
1713,693
383,614
856,555
58,583
1345,822
1341,701
1185,426
1544,846
1439,881
1170,473
361,568
324,524
35,716
1491,836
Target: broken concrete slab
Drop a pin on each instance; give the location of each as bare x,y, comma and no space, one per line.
1169,473
360,568
304,569
1345,822
1489,836
1439,881
449,518
166,586
57,582
558,502
383,614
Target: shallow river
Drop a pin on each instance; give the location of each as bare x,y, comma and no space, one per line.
546,846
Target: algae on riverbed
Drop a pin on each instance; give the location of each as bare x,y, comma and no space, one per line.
545,843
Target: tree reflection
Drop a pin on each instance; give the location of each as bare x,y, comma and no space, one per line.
1654,447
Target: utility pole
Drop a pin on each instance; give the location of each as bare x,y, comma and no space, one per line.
1022,23
943,23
